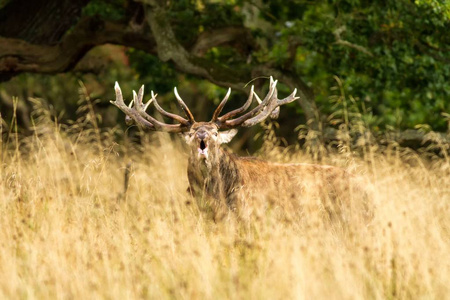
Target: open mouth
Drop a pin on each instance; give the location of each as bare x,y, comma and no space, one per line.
202,145
203,149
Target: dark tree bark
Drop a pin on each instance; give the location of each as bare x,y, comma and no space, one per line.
18,56
39,21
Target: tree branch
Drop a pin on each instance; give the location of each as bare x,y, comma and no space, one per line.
239,37
340,41
17,56
168,48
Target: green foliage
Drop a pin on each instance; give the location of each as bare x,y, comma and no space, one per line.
392,54
152,72
441,8
108,10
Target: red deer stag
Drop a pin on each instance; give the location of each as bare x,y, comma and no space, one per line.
224,181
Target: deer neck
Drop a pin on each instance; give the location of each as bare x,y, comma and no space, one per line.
218,175
205,169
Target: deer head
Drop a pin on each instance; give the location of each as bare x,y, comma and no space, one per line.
204,138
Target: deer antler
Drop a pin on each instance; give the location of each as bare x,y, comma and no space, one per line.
221,106
138,114
184,106
232,113
270,106
136,110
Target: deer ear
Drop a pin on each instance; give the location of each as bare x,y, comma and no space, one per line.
226,136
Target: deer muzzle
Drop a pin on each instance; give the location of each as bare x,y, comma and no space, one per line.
202,134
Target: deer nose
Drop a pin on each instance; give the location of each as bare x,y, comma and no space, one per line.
202,134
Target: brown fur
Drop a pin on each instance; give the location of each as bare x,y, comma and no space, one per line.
249,186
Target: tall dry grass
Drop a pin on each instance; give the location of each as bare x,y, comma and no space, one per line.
70,231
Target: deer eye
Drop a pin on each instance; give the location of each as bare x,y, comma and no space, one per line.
216,133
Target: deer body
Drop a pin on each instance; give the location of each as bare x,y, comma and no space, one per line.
247,184
225,182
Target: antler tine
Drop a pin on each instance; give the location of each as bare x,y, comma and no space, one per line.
257,98
138,114
149,102
289,99
240,120
168,114
140,94
271,81
119,97
271,109
240,109
270,106
275,113
128,110
221,106
184,107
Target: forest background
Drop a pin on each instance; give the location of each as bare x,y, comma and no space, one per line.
385,63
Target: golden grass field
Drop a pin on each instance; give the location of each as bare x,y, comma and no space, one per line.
68,231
